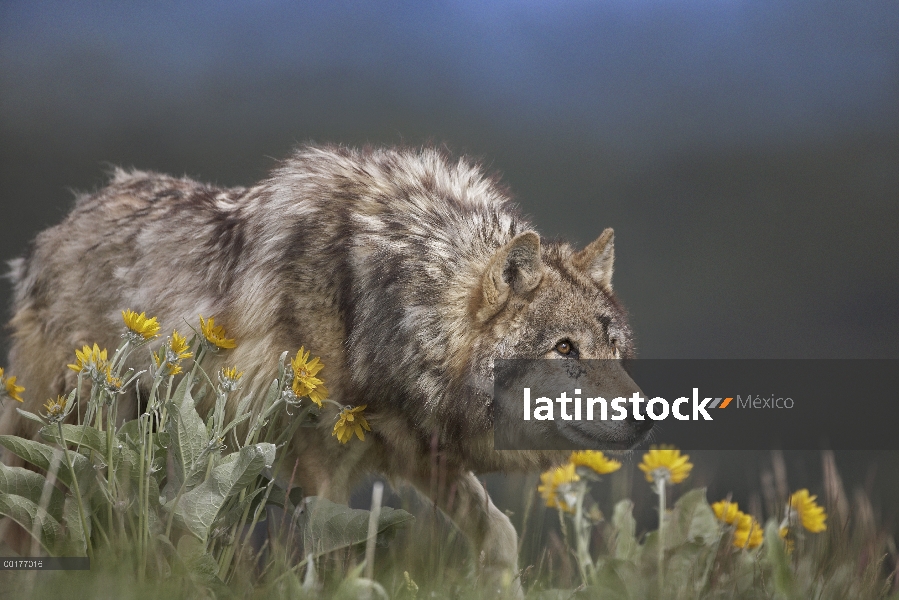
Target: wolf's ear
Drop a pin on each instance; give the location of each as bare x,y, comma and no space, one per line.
515,268
597,258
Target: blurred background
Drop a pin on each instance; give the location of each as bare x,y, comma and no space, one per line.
746,153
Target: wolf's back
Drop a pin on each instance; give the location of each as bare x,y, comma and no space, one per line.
361,255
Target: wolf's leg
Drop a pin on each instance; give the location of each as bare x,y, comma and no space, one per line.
490,531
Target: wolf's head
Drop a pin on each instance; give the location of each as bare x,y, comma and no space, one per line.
547,301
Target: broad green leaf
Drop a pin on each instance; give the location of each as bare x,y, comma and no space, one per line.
687,566
129,431
691,520
625,530
328,526
201,567
74,530
31,416
607,584
77,435
784,583
31,516
28,484
187,432
237,421
126,463
233,514
42,455
268,454
243,407
271,395
198,508
195,558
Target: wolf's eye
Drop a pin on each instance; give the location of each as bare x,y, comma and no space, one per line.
565,348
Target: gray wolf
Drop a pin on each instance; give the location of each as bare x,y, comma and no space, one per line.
407,271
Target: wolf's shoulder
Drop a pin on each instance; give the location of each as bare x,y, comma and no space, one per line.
411,178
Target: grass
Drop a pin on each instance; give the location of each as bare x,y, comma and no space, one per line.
175,504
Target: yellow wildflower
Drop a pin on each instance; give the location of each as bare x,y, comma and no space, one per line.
228,377
305,382
349,422
179,346
162,360
726,511
595,461
56,409
89,360
411,586
665,463
231,373
140,325
556,489
789,543
112,383
12,390
215,335
171,354
804,509
748,533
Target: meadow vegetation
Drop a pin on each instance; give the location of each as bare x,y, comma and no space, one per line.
178,504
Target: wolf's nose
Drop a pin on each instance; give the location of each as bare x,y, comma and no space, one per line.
639,426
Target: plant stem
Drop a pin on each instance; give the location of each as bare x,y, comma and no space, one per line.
581,530
84,529
141,484
110,469
660,489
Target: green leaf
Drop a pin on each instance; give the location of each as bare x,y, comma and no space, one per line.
691,520
270,396
187,432
198,508
129,431
31,516
268,453
74,530
607,584
28,484
625,530
784,583
233,514
77,435
328,526
687,567
126,464
42,455
201,568
237,421
31,416
195,558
